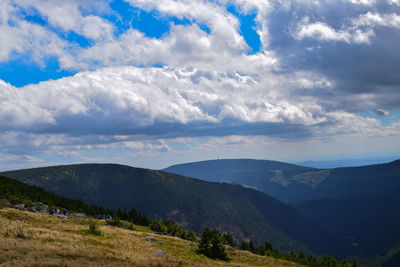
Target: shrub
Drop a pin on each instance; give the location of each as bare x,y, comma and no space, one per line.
190,235
158,226
93,229
114,222
228,240
211,245
131,227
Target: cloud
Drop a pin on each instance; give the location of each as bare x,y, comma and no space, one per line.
381,112
185,45
394,2
146,101
223,48
376,19
321,64
321,31
20,37
67,16
354,50
18,111
130,106
221,22
363,2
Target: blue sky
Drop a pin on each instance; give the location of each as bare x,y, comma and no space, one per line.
155,83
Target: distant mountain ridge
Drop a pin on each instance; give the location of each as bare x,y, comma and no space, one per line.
195,204
294,183
357,162
270,177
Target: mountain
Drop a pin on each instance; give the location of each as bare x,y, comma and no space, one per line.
357,204
293,183
350,181
194,204
330,164
277,179
369,222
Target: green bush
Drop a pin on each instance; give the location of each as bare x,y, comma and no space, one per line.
114,222
131,227
172,229
93,229
158,226
211,245
189,235
228,240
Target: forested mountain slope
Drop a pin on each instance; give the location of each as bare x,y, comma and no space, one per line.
293,183
195,204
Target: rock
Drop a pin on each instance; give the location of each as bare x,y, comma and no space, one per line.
150,238
160,253
78,215
42,208
61,216
236,265
191,244
20,206
228,247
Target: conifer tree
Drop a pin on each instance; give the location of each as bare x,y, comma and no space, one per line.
211,245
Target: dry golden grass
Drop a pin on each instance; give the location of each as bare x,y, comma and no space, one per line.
50,241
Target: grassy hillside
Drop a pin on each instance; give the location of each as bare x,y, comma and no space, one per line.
34,239
192,203
293,183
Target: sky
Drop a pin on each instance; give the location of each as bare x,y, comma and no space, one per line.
151,83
